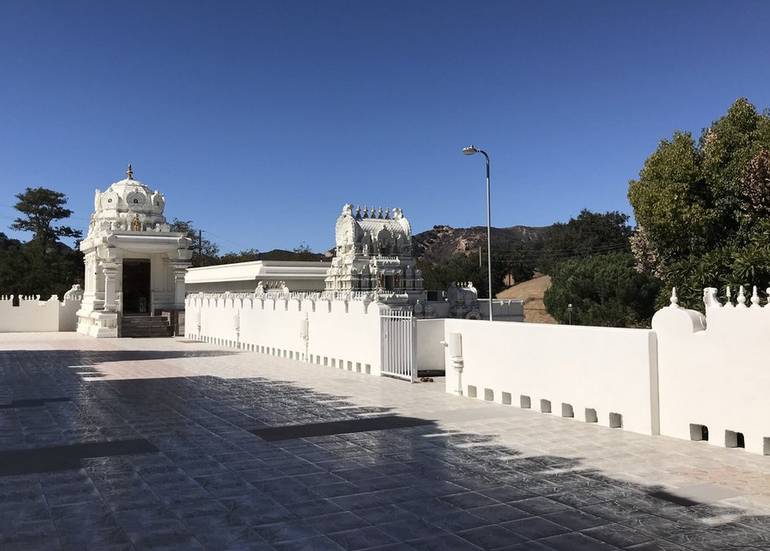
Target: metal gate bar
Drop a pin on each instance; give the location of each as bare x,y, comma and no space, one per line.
398,344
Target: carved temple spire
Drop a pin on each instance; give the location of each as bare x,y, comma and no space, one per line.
130,172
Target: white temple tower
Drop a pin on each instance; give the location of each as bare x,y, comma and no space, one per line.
135,266
374,255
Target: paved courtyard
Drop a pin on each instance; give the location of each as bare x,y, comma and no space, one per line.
167,444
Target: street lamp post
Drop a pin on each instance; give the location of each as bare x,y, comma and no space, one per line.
472,150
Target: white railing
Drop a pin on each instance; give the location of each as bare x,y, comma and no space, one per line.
398,344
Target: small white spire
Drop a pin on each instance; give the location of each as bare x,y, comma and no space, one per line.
674,300
754,297
729,296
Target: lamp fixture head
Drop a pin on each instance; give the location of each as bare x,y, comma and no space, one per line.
470,150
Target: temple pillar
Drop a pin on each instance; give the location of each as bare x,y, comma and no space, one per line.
180,269
110,270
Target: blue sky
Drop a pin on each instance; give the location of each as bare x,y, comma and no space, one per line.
258,120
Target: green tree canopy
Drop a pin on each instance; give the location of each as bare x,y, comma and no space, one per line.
604,290
205,252
586,234
43,266
702,206
40,208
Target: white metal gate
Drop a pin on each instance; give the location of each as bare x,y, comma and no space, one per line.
398,344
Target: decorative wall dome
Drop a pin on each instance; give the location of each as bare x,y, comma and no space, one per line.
128,205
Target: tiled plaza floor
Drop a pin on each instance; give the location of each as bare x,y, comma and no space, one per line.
153,444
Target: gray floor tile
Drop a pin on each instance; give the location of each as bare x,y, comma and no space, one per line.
215,485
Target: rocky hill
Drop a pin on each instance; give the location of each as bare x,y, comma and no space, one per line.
441,242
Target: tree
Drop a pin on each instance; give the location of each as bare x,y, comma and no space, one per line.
603,289
437,276
303,252
588,233
702,207
47,273
43,266
247,255
205,252
40,208
11,266
461,267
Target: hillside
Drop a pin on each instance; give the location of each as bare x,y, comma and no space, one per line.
531,292
441,242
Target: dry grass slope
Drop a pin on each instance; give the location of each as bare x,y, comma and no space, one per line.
531,292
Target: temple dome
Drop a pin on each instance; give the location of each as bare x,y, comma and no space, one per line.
129,202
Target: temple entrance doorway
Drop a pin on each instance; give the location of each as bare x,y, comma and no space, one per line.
136,287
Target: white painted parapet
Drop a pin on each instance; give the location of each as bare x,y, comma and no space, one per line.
691,376
35,315
430,351
594,374
502,309
343,334
715,371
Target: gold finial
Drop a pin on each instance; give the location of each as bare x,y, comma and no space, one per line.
130,172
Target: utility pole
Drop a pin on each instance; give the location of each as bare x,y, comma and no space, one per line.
200,243
480,257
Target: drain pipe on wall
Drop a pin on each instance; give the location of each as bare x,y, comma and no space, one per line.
454,343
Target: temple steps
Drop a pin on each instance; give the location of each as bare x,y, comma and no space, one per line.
145,326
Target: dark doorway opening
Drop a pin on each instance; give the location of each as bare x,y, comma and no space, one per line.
136,286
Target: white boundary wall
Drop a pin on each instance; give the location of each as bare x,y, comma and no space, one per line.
594,374
336,333
35,315
430,351
715,372
690,371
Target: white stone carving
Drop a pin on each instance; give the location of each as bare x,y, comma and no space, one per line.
374,255
128,225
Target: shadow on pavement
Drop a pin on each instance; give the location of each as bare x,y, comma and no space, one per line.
332,476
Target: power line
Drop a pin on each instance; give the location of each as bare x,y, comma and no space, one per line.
569,249
589,252
502,258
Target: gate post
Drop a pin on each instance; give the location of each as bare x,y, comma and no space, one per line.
413,347
383,344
